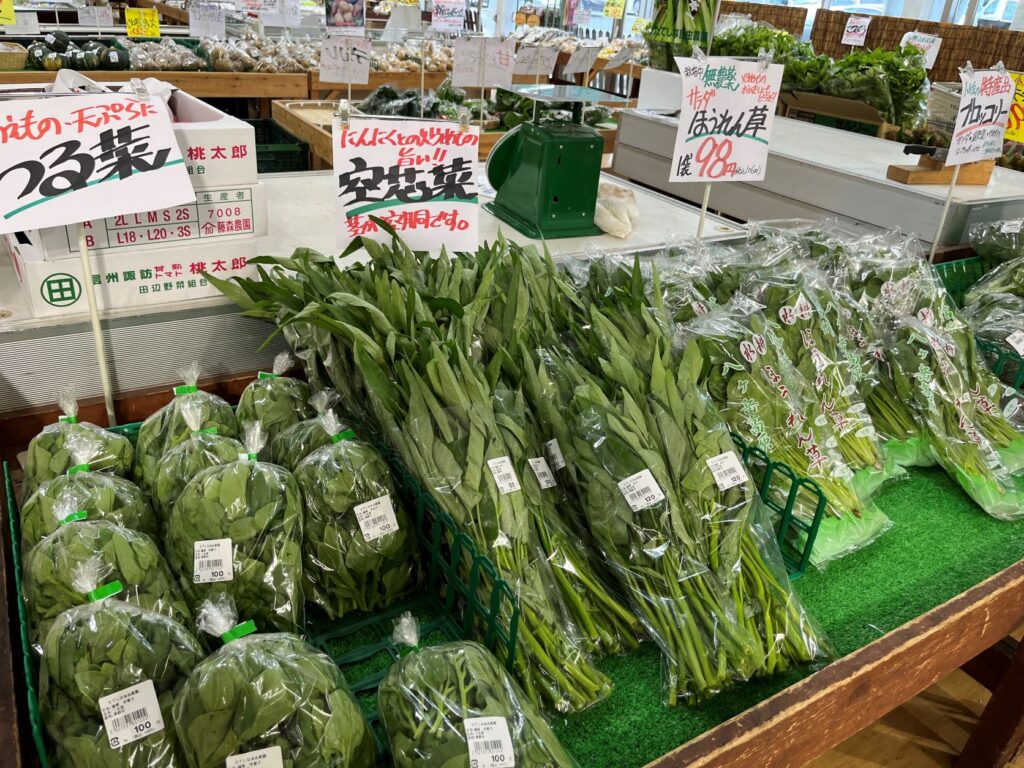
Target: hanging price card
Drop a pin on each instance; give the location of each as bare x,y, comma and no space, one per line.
420,176
345,59
142,22
7,13
25,23
614,9
206,21
728,112
483,61
96,16
536,60
75,158
981,119
582,60
448,15
930,44
856,30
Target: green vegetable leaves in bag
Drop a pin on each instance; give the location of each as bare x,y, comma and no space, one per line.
275,401
139,658
295,443
359,544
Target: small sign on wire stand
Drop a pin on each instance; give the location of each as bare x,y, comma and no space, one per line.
856,31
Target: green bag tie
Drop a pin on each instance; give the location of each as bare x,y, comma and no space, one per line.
247,456
185,389
243,629
265,375
107,590
207,431
78,468
405,650
75,517
67,419
346,434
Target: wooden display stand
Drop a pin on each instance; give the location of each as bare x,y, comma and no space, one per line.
931,171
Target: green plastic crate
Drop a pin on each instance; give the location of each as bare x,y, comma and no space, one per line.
277,150
960,275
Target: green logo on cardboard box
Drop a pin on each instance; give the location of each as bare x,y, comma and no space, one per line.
60,289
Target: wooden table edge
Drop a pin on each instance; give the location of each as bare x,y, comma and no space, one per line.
814,715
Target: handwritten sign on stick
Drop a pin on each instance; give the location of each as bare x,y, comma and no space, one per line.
982,116
727,117
345,60
87,157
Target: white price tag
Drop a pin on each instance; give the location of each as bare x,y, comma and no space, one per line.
555,454
545,476
206,21
624,56
262,758
727,470
536,60
212,561
1012,227
376,518
485,61
504,475
489,742
25,23
96,16
131,714
582,60
345,60
1016,340
641,490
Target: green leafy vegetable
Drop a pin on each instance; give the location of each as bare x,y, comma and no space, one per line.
296,442
275,401
997,242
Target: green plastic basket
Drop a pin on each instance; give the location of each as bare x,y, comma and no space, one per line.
960,275
277,150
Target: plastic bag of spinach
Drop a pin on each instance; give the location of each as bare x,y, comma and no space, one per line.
107,679
167,428
998,318
274,400
359,546
237,529
85,561
455,705
84,493
1008,277
49,457
296,442
996,242
203,449
268,692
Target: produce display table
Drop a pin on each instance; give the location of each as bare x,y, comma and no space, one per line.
203,85
816,172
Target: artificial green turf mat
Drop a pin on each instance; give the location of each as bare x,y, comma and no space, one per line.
941,544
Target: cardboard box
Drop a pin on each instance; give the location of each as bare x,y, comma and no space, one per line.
122,280
220,213
834,112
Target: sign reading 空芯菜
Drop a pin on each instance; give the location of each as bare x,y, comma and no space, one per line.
728,113
981,117
420,176
89,156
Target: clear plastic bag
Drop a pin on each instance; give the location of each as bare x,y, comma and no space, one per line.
296,442
167,428
237,529
454,704
359,544
49,456
269,691
1008,277
85,561
274,400
102,649
998,318
997,242
95,495
203,449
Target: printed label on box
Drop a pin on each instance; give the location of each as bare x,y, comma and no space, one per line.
131,714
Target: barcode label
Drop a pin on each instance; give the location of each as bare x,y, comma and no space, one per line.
212,561
545,476
1016,340
270,757
555,455
727,470
489,742
641,490
131,714
1012,227
376,518
504,475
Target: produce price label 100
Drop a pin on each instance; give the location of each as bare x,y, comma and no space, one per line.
728,113
489,742
213,561
376,518
131,714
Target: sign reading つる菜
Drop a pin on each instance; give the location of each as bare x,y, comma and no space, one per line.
856,30
419,176
981,117
729,109
75,158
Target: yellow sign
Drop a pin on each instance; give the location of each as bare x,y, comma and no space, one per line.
1015,123
7,12
614,9
639,27
142,22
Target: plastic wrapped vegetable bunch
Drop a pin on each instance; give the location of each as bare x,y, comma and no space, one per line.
87,561
295,443
237,529
167,428
83,493
274,400
205,448
455,705
1008,277
107,680
268,692
49,456
997,241
998,318
359,546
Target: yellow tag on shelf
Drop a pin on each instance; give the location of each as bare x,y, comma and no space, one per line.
142,22
7,12
614,9
1015,123
640,26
